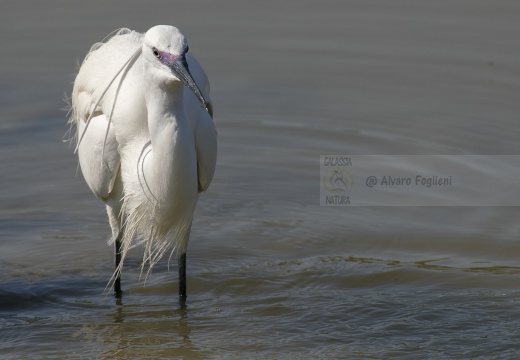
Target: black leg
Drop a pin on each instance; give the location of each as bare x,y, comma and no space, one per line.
117,280
182,279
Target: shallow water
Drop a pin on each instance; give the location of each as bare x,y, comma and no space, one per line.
271,274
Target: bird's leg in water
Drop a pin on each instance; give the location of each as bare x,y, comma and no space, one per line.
117,253
182,279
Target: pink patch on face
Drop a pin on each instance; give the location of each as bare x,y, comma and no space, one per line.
164,57
168,57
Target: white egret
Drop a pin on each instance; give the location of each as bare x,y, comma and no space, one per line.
146,141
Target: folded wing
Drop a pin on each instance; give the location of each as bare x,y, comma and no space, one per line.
204,129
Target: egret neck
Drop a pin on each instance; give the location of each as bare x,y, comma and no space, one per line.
170,169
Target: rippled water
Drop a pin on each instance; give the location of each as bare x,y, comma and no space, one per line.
271,274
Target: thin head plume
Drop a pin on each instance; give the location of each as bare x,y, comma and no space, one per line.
116,32
94,47
132,58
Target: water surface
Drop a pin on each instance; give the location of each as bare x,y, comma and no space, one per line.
271,274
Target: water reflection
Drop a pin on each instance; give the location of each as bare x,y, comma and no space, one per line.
136,331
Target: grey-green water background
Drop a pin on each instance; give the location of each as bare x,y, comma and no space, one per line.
271,274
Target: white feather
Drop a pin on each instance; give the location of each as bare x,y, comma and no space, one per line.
142,151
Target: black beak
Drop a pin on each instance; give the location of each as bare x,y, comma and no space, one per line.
180,68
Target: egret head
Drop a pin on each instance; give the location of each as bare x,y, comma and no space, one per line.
164,50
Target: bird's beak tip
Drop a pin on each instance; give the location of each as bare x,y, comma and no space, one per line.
180,68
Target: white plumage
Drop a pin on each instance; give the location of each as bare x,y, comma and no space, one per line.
146,145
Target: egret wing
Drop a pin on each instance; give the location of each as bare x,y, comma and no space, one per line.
204,129
98,147
99,160
206,145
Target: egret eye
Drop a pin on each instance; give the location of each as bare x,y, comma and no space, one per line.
156,53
